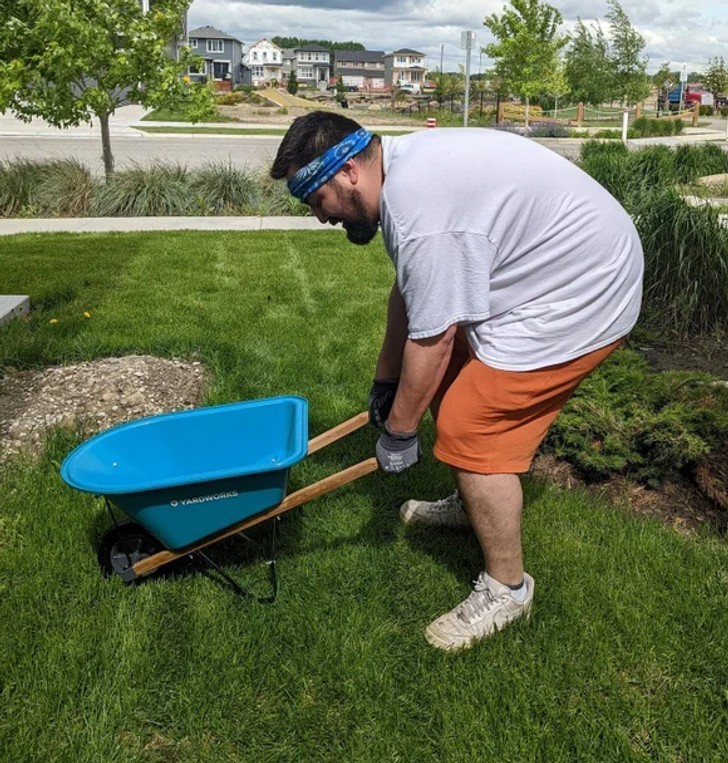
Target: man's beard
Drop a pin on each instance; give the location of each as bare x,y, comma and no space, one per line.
362,230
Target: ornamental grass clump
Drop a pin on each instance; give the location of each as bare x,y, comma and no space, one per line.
276,200
66,189
19,181
221,188
152,191
686,248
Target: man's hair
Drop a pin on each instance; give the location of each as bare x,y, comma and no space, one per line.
309,136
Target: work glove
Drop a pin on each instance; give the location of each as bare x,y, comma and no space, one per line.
397,451
381,397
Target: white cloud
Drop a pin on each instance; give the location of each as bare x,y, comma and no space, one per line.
674,30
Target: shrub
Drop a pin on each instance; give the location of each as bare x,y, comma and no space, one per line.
678,126
549,130
641,127
724,111
607,163
705,111
145,192
221,188
229,99
651,426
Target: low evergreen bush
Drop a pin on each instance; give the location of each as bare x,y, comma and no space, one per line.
626,419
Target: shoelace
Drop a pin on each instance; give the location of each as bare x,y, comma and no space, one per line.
480,601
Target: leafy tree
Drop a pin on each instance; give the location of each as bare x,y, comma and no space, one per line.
716,76
588,67
298,42
631,82
664,80
340,92
526,53
292,85
67,61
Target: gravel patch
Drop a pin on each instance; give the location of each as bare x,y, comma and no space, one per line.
93,396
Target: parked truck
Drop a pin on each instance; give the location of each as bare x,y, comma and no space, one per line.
692,93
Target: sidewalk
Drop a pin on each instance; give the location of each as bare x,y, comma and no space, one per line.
131,224
120,123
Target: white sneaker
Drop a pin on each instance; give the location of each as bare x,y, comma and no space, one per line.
489,608
449,512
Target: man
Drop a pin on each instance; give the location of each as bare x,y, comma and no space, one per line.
516,275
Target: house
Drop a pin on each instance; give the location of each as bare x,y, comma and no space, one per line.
265,61
363,69
313,65
221,54
289,63
404,65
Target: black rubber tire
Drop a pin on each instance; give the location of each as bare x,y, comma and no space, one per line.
128,540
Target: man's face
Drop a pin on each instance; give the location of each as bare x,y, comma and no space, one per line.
335,203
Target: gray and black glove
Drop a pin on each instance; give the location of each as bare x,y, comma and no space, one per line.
397,451
381,397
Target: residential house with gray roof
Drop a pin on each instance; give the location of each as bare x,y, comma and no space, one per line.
404,65
221,54
363,69
313,65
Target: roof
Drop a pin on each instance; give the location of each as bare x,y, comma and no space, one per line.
313,47
210,33
358,55
406,51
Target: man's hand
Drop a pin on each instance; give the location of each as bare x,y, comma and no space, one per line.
397,451
381,397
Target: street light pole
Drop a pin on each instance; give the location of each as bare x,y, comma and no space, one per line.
442,55
467,40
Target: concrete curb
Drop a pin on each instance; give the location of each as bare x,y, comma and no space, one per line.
137,224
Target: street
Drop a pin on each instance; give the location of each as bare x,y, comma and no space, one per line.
253,151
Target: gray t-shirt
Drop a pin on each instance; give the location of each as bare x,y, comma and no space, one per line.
497,233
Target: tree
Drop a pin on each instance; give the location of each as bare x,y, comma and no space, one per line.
631,82
588,67
67,61
526,53
292,85
664,80
716,77
340,91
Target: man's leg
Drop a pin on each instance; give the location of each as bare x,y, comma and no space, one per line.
494,503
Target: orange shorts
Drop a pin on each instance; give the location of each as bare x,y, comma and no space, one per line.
492,421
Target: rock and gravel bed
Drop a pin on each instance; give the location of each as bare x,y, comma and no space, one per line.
93,396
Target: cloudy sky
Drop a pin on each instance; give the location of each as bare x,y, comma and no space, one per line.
675,30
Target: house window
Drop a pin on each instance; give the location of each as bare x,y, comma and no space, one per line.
306,72
220,69
193,42
415,76
214,46
401,59
265,55
256,71
255,55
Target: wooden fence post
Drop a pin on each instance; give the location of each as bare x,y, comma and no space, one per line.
696,113
501,110
579,114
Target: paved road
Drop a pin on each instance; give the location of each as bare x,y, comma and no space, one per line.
256,152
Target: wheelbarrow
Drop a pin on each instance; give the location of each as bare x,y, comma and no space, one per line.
189,479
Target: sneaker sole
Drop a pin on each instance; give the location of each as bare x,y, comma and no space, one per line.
408,515
446,643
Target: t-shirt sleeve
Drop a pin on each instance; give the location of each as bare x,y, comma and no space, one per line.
444,279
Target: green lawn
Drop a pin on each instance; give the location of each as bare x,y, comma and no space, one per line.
624,658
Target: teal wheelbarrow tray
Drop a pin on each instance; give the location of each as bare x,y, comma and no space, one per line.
189,479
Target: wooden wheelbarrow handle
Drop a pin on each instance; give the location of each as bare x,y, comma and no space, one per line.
304,495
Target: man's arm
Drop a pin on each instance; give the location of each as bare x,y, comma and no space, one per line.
389,365
424,364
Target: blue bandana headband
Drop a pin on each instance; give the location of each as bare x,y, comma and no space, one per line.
319,171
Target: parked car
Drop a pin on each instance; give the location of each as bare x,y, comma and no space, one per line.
409,87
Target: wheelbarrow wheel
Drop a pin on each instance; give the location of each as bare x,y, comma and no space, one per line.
124,545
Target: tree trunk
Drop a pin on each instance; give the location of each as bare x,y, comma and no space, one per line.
106,145
528,109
